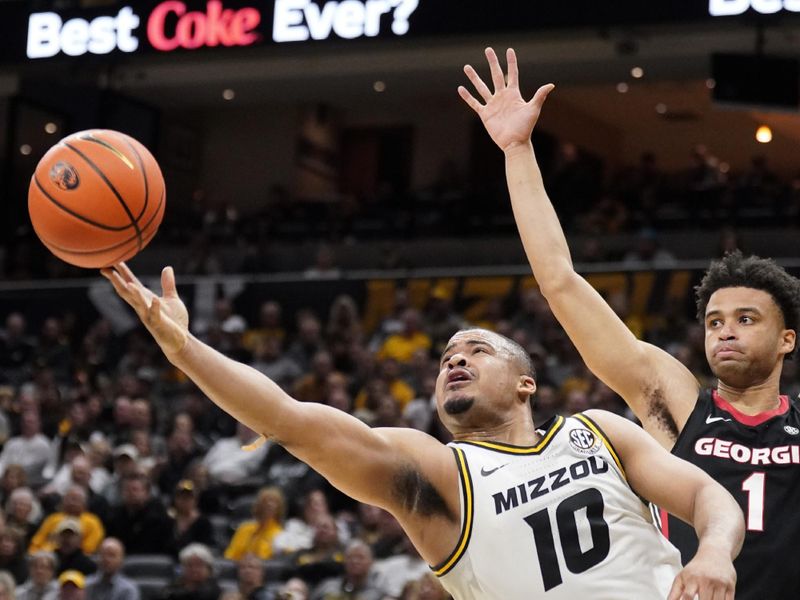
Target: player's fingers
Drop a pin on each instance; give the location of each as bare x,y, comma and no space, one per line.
469,99
513,69
677,589
154,312
125,272
476,80
120,285
168,289
498,80
541,95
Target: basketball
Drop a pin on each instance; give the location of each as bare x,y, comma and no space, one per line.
96,198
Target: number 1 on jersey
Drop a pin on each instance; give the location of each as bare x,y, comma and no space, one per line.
754,486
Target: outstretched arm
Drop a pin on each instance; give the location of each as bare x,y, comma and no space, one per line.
642,374
689,493
367,464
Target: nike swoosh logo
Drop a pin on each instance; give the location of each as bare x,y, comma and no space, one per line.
485,472
710,419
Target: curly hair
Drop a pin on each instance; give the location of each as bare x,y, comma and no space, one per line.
737,270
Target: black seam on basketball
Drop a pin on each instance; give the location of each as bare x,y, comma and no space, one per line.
112,188
106,144
78,216
144,176
145,233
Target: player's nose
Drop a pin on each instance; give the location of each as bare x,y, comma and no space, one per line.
457,360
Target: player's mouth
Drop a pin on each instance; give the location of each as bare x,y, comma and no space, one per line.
726,352
458,377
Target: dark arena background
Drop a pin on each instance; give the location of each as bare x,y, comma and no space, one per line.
334,213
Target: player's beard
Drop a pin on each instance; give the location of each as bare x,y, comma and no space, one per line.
459,405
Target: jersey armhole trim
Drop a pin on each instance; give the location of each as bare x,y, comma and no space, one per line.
466,527
594,427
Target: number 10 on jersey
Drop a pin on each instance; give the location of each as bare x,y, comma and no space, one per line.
577,560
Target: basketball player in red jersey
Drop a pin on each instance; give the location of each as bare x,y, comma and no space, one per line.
743,433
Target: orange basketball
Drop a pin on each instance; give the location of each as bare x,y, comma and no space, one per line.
96,198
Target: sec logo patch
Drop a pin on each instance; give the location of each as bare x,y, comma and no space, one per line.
584,441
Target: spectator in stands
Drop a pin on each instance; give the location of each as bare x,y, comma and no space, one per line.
268,358
270,326
125,464
401,346
16,349
12,554
427,587
7,586
648,252
31,450
23,512
73,507
228,464
188,524
393,322
13,477
441,320
250,578
72,585
141,521
394,572
196,580
68,548
42,584
256,536
181,451
325,558
358,581
294,589
109,583
308,340
324,266
53,350
298,533
344,322
78,471
312,387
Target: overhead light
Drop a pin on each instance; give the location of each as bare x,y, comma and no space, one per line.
724,167
228,94
661,108
25,149
637,72
622,87
764,134
710,83
379,86
50,127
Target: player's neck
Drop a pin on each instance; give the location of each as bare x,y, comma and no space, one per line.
754,399
516,433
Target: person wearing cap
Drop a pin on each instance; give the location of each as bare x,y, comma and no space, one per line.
126,458
41,584
72,585
68,548
109,583
188,524
196,580
73,506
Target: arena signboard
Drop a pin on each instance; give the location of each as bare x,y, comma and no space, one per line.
139,27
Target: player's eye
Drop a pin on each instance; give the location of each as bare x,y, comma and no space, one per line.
746,320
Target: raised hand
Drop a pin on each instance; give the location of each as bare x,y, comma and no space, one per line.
508,118
165,317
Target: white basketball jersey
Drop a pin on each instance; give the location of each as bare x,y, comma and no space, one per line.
557,521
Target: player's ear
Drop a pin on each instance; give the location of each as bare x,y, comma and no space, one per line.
788,341
526,387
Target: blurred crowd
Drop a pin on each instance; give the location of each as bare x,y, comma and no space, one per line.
120,479
591,200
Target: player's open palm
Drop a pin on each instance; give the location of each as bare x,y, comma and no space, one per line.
709,577
508,118
165,317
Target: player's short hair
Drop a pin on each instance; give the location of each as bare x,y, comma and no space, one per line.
737,270
517,352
